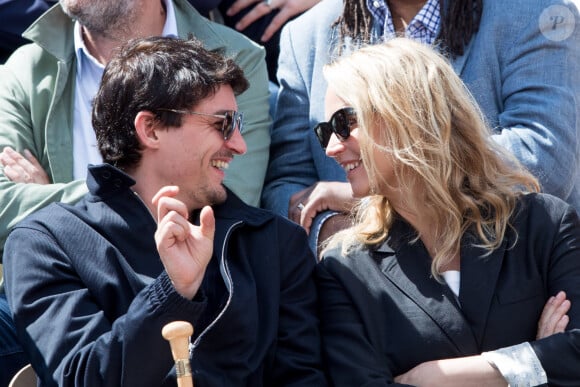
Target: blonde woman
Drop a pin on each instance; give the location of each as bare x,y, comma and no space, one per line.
453,255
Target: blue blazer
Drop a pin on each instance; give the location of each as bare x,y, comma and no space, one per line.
383,313
522,67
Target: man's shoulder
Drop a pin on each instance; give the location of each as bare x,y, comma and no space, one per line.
30,60
54,219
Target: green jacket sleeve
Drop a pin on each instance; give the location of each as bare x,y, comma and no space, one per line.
24,106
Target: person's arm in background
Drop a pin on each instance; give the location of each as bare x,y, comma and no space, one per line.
19,131
293,176
291,167
245,176
540,89
286,10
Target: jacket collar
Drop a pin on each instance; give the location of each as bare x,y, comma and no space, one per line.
58,41
105,180
408,266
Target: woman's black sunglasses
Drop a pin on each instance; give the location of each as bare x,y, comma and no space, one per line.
341,122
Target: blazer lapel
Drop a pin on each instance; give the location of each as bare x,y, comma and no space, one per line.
409,270
479,276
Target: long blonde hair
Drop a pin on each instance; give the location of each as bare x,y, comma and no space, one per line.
414,109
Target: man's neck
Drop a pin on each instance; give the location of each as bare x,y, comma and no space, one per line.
148,21
403,11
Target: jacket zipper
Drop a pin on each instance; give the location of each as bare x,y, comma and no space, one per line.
229,282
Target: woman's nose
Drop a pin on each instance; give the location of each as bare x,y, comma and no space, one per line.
334,147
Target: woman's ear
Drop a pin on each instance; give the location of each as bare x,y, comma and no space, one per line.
146,126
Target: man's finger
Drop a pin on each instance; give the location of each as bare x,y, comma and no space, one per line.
207,222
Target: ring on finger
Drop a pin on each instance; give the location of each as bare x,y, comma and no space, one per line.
268,3
300,206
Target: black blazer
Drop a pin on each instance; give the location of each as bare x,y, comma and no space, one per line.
383,312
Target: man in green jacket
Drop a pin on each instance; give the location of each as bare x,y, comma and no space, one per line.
46,90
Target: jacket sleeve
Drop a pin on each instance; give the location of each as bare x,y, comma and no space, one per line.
350,356
298,355
560,353
291,166
70,338
19,130
540,85
246,173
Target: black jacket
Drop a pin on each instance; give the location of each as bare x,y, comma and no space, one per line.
383,313
90,295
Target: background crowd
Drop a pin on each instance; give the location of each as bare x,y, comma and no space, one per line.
450,153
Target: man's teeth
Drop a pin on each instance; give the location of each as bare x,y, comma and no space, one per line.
220,164
350,166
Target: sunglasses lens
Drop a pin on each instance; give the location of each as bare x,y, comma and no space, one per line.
232,121
239,121
323,132
228,125
341,124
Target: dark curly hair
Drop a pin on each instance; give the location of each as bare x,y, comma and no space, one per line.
151,74
459,21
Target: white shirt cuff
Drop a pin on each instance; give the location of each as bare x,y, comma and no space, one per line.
518,364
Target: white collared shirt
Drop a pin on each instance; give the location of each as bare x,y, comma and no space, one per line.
88,78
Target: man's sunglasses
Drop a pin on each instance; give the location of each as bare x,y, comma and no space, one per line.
231,120
341,122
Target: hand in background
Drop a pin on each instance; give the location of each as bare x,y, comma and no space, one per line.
288,9
185,249
22,168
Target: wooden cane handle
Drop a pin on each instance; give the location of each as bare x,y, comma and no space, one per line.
178,333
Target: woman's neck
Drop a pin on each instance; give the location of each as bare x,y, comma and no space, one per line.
421,219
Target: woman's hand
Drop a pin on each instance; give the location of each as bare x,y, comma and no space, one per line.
554,318
322,196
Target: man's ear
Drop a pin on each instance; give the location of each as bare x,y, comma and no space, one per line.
146,126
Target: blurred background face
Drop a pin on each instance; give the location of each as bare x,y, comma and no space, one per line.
102,16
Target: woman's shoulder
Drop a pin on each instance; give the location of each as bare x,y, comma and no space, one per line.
542,208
